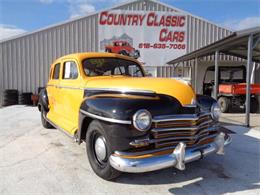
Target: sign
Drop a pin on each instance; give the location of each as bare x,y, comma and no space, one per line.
154,38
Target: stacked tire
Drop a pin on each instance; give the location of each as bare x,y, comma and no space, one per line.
25,99
10,97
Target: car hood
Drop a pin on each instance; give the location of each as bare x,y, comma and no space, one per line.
175,88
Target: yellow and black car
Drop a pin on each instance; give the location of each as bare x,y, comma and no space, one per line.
129,122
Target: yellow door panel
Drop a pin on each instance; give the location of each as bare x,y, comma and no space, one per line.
71,98
53,91
60,122
71,95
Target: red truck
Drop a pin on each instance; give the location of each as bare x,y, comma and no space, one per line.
122,47
232,88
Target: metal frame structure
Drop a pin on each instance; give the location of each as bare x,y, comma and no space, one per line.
244,44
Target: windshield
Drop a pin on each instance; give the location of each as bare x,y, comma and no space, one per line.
226,75
232,75
111,66
209,77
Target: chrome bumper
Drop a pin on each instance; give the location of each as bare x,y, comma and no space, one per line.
177,159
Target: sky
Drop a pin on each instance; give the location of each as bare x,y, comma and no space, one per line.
20,16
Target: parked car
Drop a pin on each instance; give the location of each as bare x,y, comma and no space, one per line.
129,122
232,87
124,48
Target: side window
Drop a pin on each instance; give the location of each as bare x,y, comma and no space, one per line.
56,71
70,70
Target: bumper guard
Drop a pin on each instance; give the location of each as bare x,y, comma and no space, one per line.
176,159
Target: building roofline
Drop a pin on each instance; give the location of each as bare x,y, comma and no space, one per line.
66,21
99,11
190,14
220,45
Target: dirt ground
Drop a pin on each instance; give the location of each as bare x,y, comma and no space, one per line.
34,160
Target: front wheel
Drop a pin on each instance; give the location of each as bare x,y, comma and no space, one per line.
98,150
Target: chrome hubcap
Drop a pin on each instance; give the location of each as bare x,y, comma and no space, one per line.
100,148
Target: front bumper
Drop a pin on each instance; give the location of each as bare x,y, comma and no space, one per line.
177,159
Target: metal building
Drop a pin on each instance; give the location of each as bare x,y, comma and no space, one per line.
25,59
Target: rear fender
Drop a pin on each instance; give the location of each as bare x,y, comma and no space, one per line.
43,100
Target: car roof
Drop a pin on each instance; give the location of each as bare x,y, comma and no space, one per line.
82,56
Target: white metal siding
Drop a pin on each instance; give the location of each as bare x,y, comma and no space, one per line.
202,33
25,61
1,75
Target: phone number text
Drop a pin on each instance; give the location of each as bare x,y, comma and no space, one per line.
161,46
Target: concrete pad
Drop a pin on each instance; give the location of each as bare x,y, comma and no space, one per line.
239,119
34,160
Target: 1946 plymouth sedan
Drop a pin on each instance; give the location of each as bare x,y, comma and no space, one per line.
129,122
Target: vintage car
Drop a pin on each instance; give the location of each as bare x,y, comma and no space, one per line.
129,122
124,48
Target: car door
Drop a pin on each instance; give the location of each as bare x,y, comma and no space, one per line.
53,92
72,89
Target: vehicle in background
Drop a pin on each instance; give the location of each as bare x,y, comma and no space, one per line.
124,48
232,88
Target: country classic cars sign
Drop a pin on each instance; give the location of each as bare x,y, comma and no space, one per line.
156,36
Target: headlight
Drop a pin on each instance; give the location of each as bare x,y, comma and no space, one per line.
142,120
215,111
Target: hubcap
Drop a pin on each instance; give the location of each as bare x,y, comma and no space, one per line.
100,148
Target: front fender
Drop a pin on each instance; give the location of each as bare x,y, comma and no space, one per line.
124,106
205,102
116,112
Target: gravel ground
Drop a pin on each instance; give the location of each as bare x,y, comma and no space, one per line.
34,160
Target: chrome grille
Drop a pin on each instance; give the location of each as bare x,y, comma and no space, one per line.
191,129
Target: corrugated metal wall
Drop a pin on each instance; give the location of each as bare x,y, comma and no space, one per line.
1,75
25,61
199,32
202,33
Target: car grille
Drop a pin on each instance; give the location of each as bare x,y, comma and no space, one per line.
191,129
